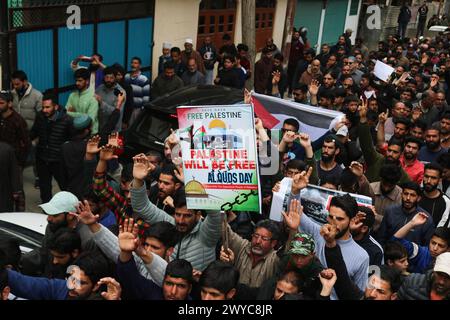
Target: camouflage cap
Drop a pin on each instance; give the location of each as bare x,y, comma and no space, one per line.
303,244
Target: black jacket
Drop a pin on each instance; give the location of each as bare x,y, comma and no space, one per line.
417,286
52,133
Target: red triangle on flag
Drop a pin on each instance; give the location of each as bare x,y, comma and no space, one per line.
269,121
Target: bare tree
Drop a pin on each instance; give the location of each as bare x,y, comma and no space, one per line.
249,34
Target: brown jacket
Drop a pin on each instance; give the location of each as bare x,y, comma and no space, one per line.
249,275
381,201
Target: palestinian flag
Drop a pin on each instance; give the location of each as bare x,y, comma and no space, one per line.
314,121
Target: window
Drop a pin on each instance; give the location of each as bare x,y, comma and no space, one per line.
354,6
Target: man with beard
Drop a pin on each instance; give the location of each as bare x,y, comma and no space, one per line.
13,131
395,217
445,130
398,111
177,282
58,217
165,193
302,65
192,75
77,164
82,100
189,53
140,85
418,129
422,258
434,285
111,97
263,71
166,82
95,69
198,238
256,260
342,209
432,149
82,284
413,167
128,107
52,128
295,54
382,285
361,228
373,159
300,93
386,192
434,200
64,246
328,167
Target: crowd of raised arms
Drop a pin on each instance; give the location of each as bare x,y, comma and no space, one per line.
122,231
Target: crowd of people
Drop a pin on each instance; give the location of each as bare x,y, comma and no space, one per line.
121,230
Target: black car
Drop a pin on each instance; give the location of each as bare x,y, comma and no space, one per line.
153,126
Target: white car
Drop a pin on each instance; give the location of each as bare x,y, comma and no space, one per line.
28,228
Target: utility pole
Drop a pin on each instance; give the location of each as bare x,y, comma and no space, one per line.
249,35
288,29
4,45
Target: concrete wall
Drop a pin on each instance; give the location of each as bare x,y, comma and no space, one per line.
278,24
280,18
175,20
352,21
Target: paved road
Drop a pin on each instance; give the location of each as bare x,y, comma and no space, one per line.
32,196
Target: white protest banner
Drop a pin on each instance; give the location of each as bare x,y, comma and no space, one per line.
280,200
218,147
383,71
316,201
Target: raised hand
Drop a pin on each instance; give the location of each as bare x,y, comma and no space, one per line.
247,96
357,221
179,173
92,145
340,123
259,124
328,232
434,82
357,168
327,278
114,290
196,274
419,219
276,187
301,180
107,152
289,137
305,140
84,213
276,77
128,239
382,117
314,87
113,139
227,256
168,201
292,218
142,167
172,139
120,99
363,110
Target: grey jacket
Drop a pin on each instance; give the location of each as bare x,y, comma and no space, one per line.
29,105
109,244
199,246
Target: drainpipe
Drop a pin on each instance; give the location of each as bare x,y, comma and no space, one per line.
288,29
322,21
4,44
